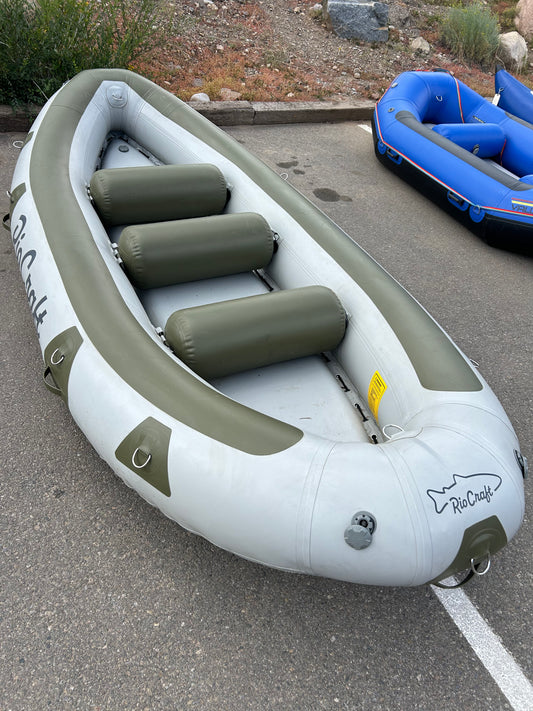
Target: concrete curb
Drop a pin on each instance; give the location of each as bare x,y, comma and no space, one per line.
235,113
239,113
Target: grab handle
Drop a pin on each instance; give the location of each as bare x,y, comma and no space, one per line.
393,156
457,201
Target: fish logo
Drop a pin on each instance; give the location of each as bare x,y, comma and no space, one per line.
465,492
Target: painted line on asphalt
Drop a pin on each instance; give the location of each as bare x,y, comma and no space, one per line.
365,127
488,647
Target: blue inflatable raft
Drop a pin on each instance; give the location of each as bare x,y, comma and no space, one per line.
468,155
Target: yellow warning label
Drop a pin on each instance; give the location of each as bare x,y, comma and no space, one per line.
376,390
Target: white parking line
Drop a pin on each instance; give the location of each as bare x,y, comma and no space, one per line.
488,647
365,126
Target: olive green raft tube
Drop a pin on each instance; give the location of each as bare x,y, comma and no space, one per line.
437,490
169,193
177,251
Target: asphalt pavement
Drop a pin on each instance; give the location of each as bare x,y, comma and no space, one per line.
107,605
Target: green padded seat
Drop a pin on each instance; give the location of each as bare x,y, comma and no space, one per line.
233,336
179,251
126,196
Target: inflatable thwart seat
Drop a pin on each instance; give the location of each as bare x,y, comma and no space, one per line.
178,251
171,237
485,140
158,193
232,336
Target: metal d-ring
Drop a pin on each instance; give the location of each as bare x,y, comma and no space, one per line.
388,436
475,567
61,358
147,461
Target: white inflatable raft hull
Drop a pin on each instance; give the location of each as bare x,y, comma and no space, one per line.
247,461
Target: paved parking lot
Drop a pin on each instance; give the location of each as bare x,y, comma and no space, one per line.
105,604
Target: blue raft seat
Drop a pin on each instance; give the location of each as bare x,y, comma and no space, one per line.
484,140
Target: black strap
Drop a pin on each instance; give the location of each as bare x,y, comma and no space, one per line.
467,577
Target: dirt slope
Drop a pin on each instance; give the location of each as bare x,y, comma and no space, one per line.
275,50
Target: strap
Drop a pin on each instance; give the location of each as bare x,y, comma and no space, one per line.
467,577
50,383
475,569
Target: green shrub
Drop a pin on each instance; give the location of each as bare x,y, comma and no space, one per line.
471,33
43,43
507,18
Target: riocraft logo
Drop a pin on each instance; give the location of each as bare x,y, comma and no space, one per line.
465,492
26,259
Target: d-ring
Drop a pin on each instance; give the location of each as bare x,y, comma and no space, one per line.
59,360
398,429
475,567
147,460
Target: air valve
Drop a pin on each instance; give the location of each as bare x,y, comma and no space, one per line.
359,534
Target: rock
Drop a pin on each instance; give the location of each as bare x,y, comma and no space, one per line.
316,11
200,97
352,19
524,18
399,15
512,52
420,46
229,95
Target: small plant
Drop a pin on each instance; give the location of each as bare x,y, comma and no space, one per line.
43,43
471,33
276,58
507,18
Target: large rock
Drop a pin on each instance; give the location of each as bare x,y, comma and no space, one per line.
201,96
512,51
367,21
399,15
524,18
230,95
420,46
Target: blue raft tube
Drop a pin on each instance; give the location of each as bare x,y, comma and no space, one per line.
513,96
